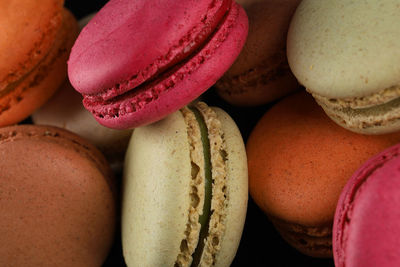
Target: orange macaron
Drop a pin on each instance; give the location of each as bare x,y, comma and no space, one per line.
299,161
34,48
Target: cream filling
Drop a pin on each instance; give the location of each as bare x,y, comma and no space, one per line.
219,193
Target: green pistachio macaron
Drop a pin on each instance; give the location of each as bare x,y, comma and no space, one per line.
185,190
346,54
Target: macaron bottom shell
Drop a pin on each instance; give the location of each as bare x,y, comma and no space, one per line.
381,118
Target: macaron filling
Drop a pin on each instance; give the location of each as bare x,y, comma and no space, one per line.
204,218
130,96
202,241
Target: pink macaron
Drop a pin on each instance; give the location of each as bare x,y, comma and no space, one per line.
366,230
138,61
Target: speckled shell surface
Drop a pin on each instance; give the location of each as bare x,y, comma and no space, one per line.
156,193
57,199
343,48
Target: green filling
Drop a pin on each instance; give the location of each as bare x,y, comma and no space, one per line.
204,219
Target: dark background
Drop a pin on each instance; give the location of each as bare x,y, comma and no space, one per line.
261,245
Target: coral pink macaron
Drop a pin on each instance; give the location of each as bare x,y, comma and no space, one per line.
137,61
366,228
298,162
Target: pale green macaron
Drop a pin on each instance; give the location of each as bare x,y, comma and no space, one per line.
346,54
185,190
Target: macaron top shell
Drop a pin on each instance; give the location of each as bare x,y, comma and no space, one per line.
27,36
345,49
366,229
58,201
135,40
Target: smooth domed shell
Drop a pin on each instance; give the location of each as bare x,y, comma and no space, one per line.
57,199
342,48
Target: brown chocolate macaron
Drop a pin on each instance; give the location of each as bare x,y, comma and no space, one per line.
299,160
57,199
261,73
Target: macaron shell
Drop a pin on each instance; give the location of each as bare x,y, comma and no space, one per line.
261,74
58,207
354,58
28,33
237,189
365,231
156,186
42,81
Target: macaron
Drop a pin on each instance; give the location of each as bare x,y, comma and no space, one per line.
136,62
185,190
261,73
34,48
299,161
346,55
366,228
57,199
65,110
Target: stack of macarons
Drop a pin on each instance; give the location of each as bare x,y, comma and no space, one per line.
137,170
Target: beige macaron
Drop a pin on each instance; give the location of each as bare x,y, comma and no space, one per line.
185,190
346,54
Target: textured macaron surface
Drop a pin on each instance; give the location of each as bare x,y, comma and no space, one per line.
366,230
131,52
345,49
57,199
